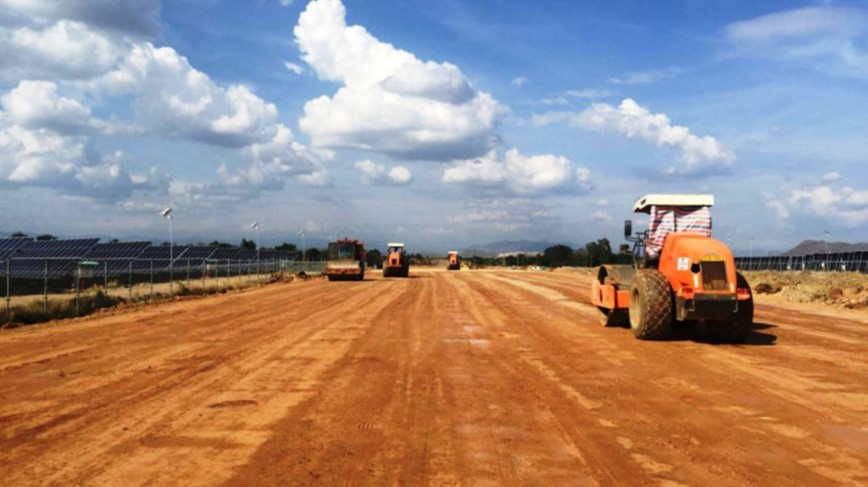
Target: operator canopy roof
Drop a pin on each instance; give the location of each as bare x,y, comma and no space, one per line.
396,245
644,204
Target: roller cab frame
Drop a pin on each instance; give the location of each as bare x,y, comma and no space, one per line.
397,263
453,261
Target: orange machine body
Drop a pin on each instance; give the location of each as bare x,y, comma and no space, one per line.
701,273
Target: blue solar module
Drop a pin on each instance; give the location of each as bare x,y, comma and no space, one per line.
36,268
196,255
10,245
117,250
233,253
37,259
53,249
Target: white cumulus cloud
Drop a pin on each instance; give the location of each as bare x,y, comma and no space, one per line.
838,204
71,59
698,154
36,104
519,174
379,174
390,101
175,99
63,50
44,158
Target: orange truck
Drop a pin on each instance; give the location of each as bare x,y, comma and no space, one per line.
346,260
679,274
397,263
454,262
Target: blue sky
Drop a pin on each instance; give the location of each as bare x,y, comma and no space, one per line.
442,124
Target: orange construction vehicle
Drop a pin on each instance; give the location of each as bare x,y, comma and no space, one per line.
397,262
679,274
454,261
346,260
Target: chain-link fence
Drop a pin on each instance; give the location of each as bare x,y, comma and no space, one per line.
831,262
27,279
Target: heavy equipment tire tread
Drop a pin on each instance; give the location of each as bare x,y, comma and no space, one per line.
612,318
737,327
655,305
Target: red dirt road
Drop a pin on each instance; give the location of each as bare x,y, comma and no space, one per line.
468,378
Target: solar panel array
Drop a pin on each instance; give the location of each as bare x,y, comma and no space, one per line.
8,246
833,261
226,253
114,258
117,250
55,259
196,255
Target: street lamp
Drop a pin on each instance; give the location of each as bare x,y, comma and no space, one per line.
826,242
255,226
303,247
167,214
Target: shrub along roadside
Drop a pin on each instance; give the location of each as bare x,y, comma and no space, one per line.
89,303
36,312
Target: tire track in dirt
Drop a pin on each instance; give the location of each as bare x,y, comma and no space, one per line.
447,378
777,415
185,377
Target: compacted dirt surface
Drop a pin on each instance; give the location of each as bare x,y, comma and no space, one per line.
445,378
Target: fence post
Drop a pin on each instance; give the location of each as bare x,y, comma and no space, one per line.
7,290
130,280
77,290
152,280
105,276
188,273
45,288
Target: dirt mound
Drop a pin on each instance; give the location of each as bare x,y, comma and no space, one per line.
840,289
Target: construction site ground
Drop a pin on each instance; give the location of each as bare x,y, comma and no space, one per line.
446,378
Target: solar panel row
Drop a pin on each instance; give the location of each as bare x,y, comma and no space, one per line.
55,259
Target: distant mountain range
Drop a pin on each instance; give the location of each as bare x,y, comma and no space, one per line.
494,248
808,247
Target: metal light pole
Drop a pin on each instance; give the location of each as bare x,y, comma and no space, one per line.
255,226
826,244
167,213
303,248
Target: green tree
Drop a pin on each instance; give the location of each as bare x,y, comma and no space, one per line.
286,246
19,235
314,255
224,245
374,258
46,237
599,252
557,256
248,244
